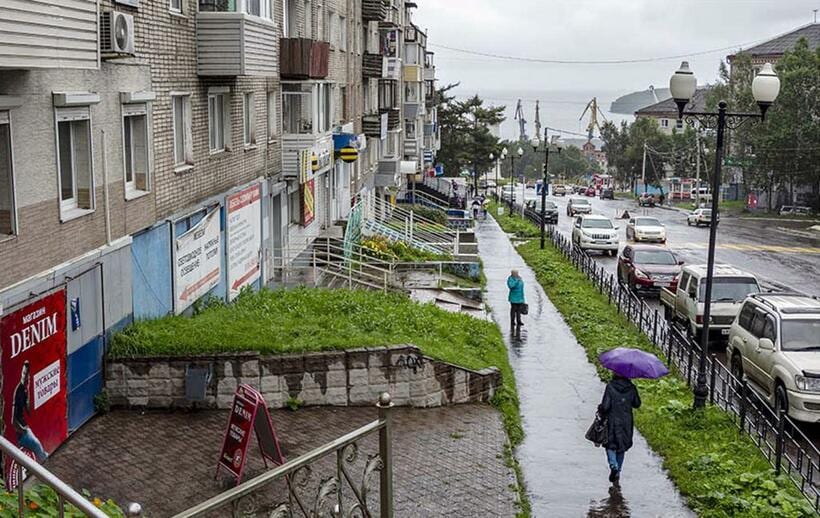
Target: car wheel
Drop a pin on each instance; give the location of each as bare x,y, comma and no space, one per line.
667,313
781,399
613,253
688,222
737,366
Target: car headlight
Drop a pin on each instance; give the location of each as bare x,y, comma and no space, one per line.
807,384
639,274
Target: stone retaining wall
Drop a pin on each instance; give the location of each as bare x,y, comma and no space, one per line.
336,378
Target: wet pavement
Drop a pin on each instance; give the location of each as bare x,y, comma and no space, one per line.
559,389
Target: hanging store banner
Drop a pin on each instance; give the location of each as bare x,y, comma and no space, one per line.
35,411
308,203
197,267
244,238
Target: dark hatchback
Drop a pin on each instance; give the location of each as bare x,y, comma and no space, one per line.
550,211
607,193
647,268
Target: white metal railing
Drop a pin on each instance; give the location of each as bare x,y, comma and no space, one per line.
65,494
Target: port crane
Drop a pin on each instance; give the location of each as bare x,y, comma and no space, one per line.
594,111
522,123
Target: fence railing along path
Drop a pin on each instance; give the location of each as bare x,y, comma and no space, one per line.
780,440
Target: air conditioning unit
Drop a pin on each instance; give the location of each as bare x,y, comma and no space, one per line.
116,34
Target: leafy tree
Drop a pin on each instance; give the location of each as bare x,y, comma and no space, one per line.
569,164
624,146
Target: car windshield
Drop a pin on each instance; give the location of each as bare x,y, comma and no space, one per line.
647,222
580,201
729,289
596,223
654,257
799,335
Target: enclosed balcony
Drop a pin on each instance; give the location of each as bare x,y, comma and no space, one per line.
306,124
373,65
53,34
413,73
374,10
303,58
235,38
374,125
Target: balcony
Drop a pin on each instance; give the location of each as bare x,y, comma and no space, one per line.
303,59
373,65
374,10
55,34
374,125
413,73
411,148
393,118
235,44
392,20
430,73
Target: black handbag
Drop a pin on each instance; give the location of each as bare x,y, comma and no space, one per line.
525,309
597,432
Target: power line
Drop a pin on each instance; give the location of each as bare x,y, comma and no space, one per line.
592,62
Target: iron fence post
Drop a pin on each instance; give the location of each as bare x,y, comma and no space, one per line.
778,445
742,412
386,453
689,361
712,380
655,329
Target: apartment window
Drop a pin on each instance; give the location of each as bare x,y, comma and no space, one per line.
410,129
289,19
345,102
342,33
74,161
412,92
330,28
183,144
664,123
216,122
679,124
176,6
273,131
324,96
248,120
308,20
297,108
135,148
7,209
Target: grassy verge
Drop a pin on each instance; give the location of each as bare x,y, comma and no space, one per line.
303,320
720,472
42,501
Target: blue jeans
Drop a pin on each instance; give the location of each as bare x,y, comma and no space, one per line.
28,441
616,459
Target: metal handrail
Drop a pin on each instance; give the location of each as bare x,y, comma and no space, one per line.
64,491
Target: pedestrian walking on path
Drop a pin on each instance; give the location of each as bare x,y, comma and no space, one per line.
620,398
516,297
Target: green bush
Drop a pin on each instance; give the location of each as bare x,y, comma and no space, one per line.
721,473
42,502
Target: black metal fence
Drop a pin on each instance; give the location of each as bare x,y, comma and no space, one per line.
783,444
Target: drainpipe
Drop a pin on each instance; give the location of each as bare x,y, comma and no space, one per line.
105,191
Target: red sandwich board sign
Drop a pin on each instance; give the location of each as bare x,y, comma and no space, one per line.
249,413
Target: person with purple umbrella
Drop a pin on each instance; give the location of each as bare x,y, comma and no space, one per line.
621,398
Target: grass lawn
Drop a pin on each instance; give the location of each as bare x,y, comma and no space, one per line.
303,320
721,473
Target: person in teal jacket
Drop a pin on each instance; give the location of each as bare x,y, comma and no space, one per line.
516,297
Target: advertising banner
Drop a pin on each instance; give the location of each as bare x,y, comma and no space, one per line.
33,361
308,203
197,267
244,238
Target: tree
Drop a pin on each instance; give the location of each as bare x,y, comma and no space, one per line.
569,164
624,147
466,140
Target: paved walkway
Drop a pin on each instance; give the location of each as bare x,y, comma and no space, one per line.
447,461
566,475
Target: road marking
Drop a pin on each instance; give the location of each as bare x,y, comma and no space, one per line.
746,247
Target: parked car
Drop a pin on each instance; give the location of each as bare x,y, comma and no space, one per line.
642,228
648,268
550,210
579,189
607,193
700,217
508,192
590,191
578,206
646,199
794,210
774,344
559,190
684,304
594,232
486,184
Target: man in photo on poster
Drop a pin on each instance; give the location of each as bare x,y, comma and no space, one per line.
25,436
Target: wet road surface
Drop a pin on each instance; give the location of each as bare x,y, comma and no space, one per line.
565,474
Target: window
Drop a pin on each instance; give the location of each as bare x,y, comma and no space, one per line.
746,315
248,120
326,29
679,124
664,123
76,175
342,33
770,329
273,130
345,101
684,280
308,20
297,108
135,147
8,214
758,323
410,129
289,19
175,6
216,122
183,145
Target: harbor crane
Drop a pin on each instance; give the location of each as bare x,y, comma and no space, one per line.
522,122
594,111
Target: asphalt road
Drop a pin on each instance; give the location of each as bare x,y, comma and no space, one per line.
775,251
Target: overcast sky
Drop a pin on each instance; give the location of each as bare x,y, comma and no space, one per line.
595,30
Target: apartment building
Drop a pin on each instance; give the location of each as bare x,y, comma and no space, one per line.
154,153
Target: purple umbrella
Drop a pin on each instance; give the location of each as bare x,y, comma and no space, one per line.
633,363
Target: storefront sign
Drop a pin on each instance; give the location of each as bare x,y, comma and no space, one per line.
244,238
249,413
34,377
197,267
308,203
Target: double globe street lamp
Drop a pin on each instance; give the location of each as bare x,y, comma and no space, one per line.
545,183
520,153
765,87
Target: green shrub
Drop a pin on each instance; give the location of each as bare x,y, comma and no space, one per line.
42,502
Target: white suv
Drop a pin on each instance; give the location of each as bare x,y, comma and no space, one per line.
594,232
774,344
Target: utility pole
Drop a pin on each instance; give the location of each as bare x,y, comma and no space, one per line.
697,174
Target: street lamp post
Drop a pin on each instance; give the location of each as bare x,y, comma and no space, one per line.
545,184
682,85
520,153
